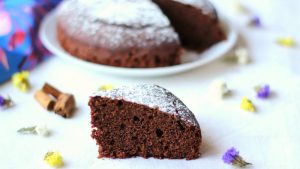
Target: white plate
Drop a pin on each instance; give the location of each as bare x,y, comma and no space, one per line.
190,60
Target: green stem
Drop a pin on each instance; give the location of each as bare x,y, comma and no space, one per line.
240,162
28,130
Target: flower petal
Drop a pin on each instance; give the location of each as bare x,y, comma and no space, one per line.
3,59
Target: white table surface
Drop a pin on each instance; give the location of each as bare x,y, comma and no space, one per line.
269,138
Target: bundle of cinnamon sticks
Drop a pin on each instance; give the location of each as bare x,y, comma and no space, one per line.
52,99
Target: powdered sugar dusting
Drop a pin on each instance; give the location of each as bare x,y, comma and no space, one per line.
152,96
103,23
204,5
134,13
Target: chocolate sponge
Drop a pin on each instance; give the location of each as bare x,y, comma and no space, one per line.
143,120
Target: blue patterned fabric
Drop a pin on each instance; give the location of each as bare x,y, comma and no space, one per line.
20,47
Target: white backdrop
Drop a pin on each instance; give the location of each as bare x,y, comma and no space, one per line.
269,138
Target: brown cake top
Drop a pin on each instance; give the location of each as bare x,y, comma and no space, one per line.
152,96
116,23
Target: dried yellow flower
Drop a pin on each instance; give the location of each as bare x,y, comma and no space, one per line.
106,87
20,80
286,42
247,105
54,159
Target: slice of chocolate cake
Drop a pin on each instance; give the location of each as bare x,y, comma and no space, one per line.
143,120
195,21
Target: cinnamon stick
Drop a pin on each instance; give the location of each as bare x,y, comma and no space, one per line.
65,105
44,100
47,88
65,102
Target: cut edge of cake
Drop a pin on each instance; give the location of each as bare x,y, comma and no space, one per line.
109,107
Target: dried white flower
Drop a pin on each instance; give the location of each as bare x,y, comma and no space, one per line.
242,55
42,130
36,130
219,89
240,8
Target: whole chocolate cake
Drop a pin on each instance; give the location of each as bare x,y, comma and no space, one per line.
125,33
136,33
143,120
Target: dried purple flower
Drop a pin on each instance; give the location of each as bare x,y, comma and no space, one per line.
2,101
232,156
255,21
263,91
5,102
